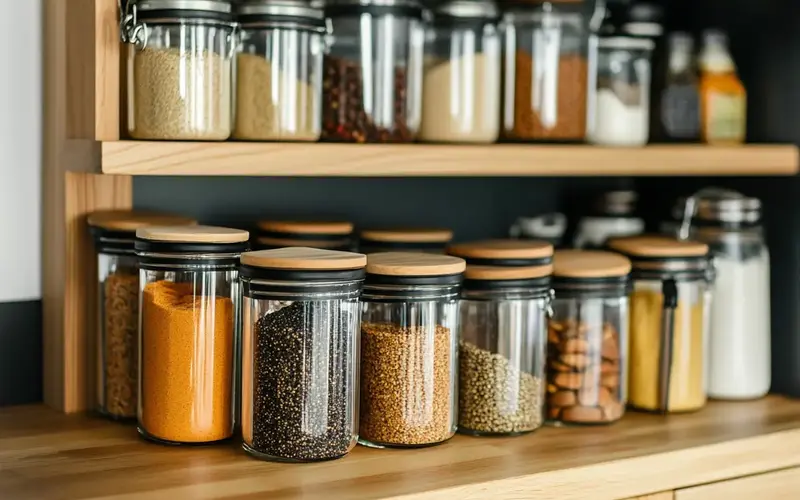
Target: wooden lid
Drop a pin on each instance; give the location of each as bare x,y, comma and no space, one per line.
306,227
193,234
130,221
589,264
408,235
502,249
658,247
413,264
300,258
507,273
288,242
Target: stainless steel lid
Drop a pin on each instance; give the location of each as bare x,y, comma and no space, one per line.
278,8
372,3
718,206
219,6
468,9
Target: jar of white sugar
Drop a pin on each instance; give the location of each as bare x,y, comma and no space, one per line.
179,68
622,99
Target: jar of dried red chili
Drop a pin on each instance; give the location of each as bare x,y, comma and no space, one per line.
372,82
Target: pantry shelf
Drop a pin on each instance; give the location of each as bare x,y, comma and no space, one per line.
371,160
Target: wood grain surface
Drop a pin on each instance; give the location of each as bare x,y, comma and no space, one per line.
46,455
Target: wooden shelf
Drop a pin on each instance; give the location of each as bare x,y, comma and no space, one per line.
282,159
44,454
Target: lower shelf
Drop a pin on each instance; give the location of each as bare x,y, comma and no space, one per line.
44,454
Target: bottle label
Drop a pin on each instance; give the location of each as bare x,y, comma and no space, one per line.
726,116
680,112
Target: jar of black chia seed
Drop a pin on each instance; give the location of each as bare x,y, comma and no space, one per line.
299,354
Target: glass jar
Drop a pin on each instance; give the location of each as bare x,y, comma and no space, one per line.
409,337
279,71
372,84
118,307
503,331
461,89
670,313
622,99
329,235
613,216
405,240
587,339
546,71
179,69
189,319
299,353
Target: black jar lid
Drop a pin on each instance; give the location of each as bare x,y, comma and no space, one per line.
186,243
296,12
408,8
413,268
504,253
144,10
658,257
115,230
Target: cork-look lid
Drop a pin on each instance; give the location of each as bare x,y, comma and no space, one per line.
343,244
589,264
128,221
402,264
504,252
498,273
658,247
304,258
408,235
315,228
192,234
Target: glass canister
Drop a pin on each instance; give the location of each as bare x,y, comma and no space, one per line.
189,319
614,215
179,69
409,340
118,307
279,71
372,84
329,235
427,240
622,100
461,89
299,352
670,313
546,71
503,333
587,339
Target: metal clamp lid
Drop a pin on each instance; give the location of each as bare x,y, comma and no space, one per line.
134,13
716,206
248,10
467,9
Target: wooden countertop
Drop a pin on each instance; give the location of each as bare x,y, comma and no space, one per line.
46,455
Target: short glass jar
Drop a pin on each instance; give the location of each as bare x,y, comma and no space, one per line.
587,340
670,312
426,240
409,337
279,71
503,333
189,317
372,84
299,353
461,89
118,307
328,235
179,69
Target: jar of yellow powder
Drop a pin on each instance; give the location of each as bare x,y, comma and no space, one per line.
670,311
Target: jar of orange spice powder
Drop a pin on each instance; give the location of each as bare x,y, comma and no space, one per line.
189,312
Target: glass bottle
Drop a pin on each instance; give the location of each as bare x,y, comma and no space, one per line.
723,99
678,112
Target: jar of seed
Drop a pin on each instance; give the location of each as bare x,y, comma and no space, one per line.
179,69
427,240
299,352
328,235
189,298
409,336
503,324
118,307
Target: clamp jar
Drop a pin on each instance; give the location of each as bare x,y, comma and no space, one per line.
328,235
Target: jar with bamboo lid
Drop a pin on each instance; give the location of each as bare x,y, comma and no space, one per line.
189,331
587,339
299,352
503,310
409,336
117,340
670,319
428,240
328,235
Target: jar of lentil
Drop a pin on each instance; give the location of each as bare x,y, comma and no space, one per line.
299,352
189,316
329,235
179,69
372,83
503,333
279,71
409,336
118,307
426,240
587,338
670,320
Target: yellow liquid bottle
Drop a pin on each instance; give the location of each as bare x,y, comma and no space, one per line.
723,99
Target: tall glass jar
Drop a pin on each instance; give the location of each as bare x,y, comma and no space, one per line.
670,313
426,240
587,340
461,90
299,353
409,337
189,317
117,341
279,71
503,333
372,84
329,235
179,69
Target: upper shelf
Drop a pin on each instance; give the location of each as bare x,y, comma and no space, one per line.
377,160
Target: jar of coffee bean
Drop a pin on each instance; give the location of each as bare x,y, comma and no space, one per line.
587,338
299,366
409,336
